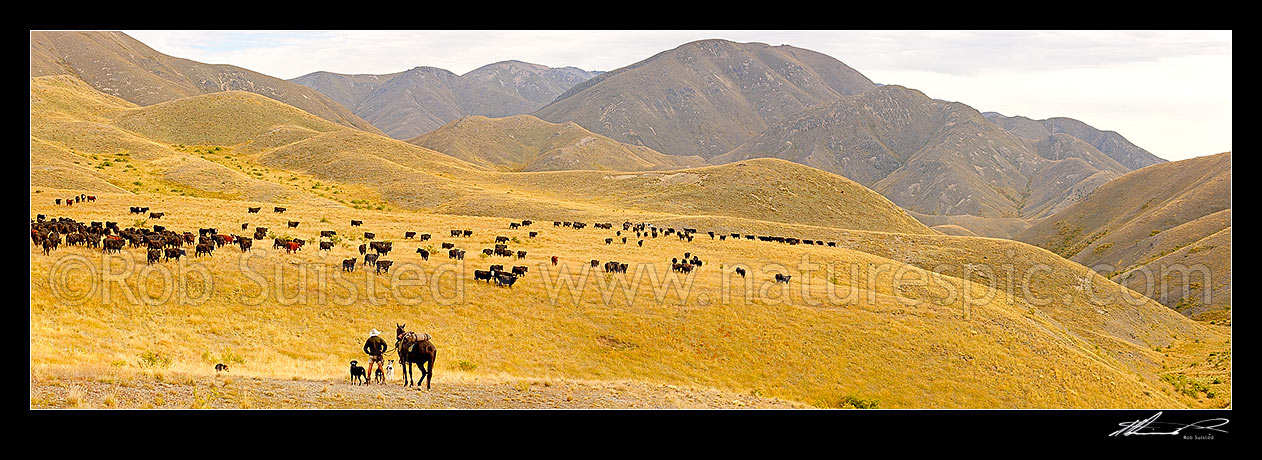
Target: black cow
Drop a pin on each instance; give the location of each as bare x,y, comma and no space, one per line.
154,255
293,224
521,254
369,236
520,270
384,265
356,223
326,245
505,279
740,271
253,210
448,245
327,233
783,278
362,249
424,254
278,209
409,235
370,259
534,234
424,237
156,215
482,275
348,265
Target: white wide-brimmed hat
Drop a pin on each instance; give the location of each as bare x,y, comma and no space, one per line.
374,333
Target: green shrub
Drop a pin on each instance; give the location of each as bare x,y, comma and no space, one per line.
150,359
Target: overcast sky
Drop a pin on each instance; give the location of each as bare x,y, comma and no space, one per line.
1167,91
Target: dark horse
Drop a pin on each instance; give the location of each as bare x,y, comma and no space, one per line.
415,349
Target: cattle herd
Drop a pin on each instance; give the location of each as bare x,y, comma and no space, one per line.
160,243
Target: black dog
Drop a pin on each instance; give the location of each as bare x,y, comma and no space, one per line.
358,375
221,367
380,377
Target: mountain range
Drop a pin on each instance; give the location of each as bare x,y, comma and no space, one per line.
414,102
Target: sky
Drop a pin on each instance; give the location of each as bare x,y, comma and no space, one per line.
1166,91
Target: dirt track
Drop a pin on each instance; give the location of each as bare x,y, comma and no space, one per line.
225,392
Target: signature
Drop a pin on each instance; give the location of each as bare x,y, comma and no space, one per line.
1150,426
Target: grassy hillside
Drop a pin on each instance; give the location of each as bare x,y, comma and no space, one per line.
891,344
257,148
1127,227
119,65
526,143
895,315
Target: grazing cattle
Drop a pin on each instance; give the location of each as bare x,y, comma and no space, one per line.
526,222
641,243
174,253
327,233
369,235
424,237
624,240
501,239
348,265
468,233
608,240
245,244
514,225
505,279
556,224
370,259
711,235
409,235
326,245
424,254
293,224
245,226
534,234
520,270
382,247
253,210
156,215
204,248
521,254
113,244
154,255
595,263
278,210
448,245
482,275
356,223
832,244
497,268
292,247
456,254
783,278
455,233
740,271
488,251
554,260
91,197
384,265
362,249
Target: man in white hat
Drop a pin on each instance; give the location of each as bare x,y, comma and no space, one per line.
375,347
